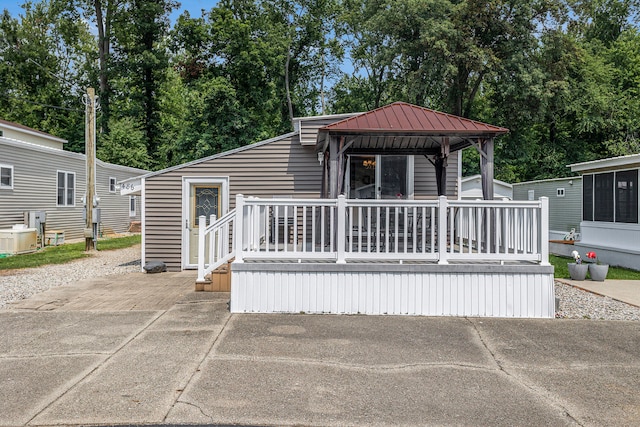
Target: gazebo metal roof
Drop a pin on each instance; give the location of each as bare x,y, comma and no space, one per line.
406,128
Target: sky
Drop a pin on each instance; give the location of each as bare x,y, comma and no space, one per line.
193,6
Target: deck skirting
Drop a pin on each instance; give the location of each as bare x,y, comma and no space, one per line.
476,290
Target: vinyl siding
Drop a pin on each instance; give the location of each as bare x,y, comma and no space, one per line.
35,188
281,167
565,212
308,126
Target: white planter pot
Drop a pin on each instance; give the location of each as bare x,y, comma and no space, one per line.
577,271
598,272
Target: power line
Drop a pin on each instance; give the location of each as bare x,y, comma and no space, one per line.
40,104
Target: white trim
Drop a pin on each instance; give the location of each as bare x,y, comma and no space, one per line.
8,187
613,162
75,188
459,178
560,192
143,225
224,201
546,180
115,184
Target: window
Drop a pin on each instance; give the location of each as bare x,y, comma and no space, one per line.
66,188
627,196
531,195
6,177
603,197
1,132
560,192
610,197
132,206
587,197
112,185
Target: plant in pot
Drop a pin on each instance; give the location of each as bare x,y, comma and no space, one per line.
597,271
577,270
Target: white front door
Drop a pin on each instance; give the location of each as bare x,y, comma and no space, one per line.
201,196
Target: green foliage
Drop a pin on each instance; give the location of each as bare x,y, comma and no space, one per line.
124,145
562,75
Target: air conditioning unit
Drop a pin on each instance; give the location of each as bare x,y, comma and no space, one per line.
18,241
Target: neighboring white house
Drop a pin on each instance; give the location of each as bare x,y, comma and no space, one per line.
565,203
471,188
610,197
37,174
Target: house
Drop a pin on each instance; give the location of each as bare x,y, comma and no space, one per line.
353,213
565,203
609,223
37,174
471,188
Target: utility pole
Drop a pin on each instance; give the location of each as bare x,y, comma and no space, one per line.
90,154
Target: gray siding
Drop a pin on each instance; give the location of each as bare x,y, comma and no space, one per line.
565,212
281,167
35,188
308,126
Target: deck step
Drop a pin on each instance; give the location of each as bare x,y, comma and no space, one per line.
219,280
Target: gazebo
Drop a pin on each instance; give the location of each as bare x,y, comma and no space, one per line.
405,129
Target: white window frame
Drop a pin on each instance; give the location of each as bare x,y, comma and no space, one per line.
560,192
132,203
531,194
4,186
113,187
66,180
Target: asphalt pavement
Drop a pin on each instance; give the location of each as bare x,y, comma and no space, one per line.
189,361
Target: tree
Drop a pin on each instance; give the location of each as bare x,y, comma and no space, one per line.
41,73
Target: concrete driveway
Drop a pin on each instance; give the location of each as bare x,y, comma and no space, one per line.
87,353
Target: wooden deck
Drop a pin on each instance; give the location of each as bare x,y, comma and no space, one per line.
135,291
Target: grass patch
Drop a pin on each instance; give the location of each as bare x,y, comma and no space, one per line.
617,273
64,253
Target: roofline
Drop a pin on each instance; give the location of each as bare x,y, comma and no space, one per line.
606,163
326,116
26,129
472,177
537,181
390,132
214,156
64,153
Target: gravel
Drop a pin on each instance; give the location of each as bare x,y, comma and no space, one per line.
578,304
16,285
20,284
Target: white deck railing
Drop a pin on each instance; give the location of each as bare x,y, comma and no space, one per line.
215,243
344,230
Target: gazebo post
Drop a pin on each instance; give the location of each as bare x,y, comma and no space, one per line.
334,167
486,168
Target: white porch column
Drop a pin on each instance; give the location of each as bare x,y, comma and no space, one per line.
442,230
341,237
238,235
544,231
